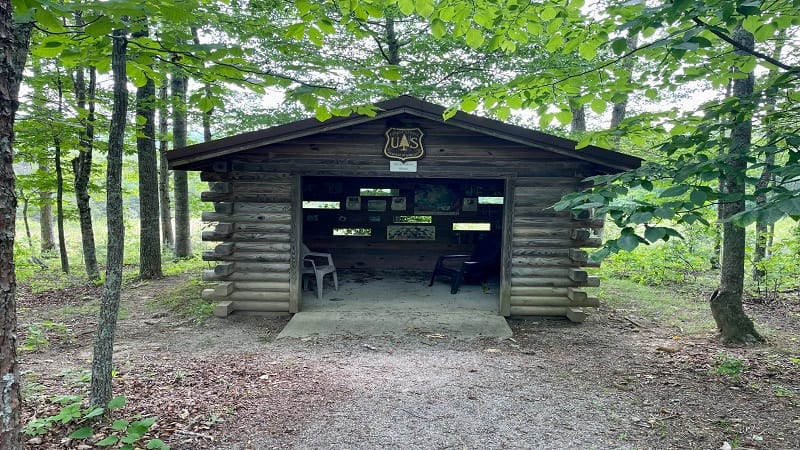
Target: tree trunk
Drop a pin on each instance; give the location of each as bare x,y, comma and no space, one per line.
13,52
578,118
82,165
619,110
207,87
149,239
46,214
62,242
183,243
726,302
163,179
25,204
104,340
763,239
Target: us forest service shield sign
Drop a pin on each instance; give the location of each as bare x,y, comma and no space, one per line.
404,144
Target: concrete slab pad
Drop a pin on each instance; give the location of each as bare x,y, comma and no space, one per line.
458,325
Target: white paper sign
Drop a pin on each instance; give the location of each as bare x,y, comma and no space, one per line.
399,166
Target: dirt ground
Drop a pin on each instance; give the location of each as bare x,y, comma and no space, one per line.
616,381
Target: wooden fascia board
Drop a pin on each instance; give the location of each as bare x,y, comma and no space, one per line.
236,148
460,123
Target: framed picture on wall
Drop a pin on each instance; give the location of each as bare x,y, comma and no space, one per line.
398,203
353,203
376,205
410,233
433,199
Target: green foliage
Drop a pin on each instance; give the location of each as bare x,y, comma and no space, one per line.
127,434
36,334
780,269
729,366
663,263
185,301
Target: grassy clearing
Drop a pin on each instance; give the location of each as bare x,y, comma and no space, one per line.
683,306
184,300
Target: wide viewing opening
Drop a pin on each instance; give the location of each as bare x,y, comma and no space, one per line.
385,236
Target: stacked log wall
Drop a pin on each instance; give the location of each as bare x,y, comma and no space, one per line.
251,220
547,257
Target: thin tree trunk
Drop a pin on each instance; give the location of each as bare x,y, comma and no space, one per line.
13,53
62,242
149,239
578,118
620,109
163,179
25,204
726,302
82,165
761,248
207,87
183,243
100,393
48,236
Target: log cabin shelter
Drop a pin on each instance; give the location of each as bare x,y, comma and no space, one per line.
392,192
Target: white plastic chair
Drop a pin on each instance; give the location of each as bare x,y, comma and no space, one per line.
319,265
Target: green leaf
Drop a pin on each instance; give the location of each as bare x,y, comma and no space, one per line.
587,50
545,119
598,105
205,104
100,27
554,43
664,213
94,413
674,191
619,45
82,433
322,114
316,37
391,73
156,444
116,402
641,217
698,197
474,38
108,440
296,31
564,116
647,185
469,104
120,424
47,20
654,234
136,75
438,29
406,6
425,8
548,13
628,242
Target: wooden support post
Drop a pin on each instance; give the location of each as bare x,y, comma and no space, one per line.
225,249
220,187
592,281
581,234
223,208
224,269
579,256
577,315
578,275
576,295
223,309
